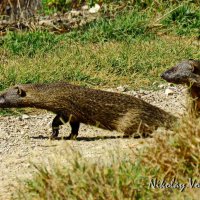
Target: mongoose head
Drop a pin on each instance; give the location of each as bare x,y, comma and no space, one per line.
42,96
27,95
13,97
187,72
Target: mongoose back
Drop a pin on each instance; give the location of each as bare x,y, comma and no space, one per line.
186,72
77,104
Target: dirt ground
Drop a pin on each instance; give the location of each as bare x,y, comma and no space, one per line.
25,139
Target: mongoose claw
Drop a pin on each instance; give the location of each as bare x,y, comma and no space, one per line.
54,135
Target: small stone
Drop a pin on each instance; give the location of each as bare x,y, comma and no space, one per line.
75,13
68,16
122,88
110,90
184,90
138,96
169,91
170,84
24,116
94,9
45,23
142,92
161,86
85,7
132,92
55,14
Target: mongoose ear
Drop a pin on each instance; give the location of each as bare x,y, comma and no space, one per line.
21,92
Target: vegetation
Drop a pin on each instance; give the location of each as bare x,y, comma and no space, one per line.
123,180
133,48
137,64
171,157
129,46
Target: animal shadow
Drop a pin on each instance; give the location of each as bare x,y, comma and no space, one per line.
41,137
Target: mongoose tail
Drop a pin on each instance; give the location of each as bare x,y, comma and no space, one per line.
76,104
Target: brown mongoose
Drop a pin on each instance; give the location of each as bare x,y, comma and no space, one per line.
77,104
186,72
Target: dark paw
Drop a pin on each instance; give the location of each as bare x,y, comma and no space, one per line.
54,135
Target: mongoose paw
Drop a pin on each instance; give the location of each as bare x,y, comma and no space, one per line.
54,135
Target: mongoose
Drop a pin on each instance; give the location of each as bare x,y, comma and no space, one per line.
186,72
77,104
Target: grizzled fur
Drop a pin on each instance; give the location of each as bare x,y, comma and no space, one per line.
76,104
187,72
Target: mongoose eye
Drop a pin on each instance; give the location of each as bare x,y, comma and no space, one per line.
21,92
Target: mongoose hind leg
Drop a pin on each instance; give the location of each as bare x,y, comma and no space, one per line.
75,127
57,121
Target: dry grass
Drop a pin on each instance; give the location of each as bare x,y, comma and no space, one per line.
176,155
85,180
173,155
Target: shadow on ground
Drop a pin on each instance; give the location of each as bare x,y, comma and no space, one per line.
41,137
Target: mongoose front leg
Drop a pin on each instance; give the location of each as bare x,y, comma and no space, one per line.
75,127
57,121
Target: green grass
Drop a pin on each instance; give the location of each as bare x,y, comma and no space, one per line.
11,112
137,64
185,20
30,43
128,25
125,27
